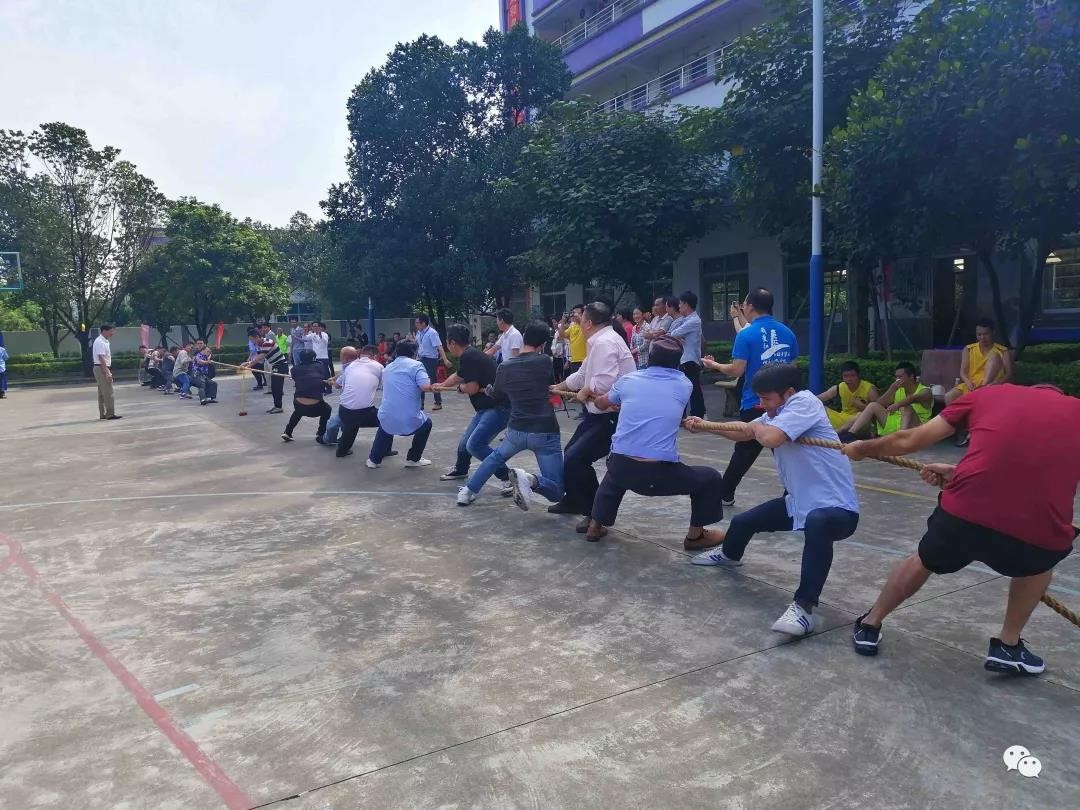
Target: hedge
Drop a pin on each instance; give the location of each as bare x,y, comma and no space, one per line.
52,367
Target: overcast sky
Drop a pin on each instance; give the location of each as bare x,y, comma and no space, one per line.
238,102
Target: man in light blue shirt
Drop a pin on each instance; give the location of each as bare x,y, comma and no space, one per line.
819,489
763,341
401,412
644,454
430,351
687,328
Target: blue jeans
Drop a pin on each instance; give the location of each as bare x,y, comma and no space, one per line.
476,440
332,428
547,447
184,381
823,527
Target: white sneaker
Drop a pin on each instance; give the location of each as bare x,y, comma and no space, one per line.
507,490
371,465
424,462
465,496
795,622
715,556
522,483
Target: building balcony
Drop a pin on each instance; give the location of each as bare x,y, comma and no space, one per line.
598,23
668,85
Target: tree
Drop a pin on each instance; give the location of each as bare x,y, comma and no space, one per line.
18,314
211,269
106,212
617,196
968,136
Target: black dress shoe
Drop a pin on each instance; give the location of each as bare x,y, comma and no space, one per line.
342,455
391,453
114,416
563,508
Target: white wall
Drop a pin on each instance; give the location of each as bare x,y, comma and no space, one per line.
664,10
766,261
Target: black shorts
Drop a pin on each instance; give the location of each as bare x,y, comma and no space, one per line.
951,543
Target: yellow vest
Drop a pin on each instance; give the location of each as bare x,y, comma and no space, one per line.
977,361
922,411
577,343
847,395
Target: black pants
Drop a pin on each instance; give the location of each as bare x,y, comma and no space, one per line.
320,409
431,365
277,384
351,422
260,379
590,443
558,365
744,455
697,396
704,485
328,372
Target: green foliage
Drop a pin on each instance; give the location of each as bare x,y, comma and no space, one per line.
18,315
212,269
618,196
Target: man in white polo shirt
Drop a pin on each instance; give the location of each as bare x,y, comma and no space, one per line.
102,353
359,381
510,342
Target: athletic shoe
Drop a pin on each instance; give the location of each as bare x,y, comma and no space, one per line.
963,440
371,465
794,622
452,474
424,462
507,489
320,440
465,496
436,407
202,401
275,410
715,557
521,484
1016,659
865,638
185,396
342,455
285,437
213,400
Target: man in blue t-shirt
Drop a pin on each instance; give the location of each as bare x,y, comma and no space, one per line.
819,489
763,342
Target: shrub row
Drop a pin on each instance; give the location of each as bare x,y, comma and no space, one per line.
53,368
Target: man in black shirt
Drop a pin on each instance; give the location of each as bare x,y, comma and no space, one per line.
476,371
523,381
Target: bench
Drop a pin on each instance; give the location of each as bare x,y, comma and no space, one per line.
940,369
731,399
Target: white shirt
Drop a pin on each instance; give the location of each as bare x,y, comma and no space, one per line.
607,360
183,360
359,381
509,342
102,348
319,342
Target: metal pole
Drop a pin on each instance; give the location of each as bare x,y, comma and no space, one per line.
817,262
371,323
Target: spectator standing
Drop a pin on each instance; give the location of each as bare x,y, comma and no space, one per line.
3,367
637,338
102,353
509,342
688,330
430,350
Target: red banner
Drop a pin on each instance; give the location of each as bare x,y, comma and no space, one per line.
513,13
220,334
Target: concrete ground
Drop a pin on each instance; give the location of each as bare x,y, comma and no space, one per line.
197,615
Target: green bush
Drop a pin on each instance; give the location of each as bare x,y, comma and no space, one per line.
1051,353
1065,376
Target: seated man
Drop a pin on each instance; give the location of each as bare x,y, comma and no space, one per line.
522,383
855,394
983,362
401,412
980,518
819,489
910,404
644,453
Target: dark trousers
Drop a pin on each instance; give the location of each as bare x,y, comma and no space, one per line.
206,387
431,365
277,384
320,409
328,372
704,485
743,456
823,528
697,396
558,365
351,422
384,443
260,378
590,443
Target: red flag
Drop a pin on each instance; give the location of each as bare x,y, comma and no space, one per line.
144,334
220,334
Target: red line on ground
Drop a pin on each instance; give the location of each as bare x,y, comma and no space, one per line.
208,769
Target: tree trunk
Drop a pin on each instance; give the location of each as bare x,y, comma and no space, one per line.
986,260
86,352
1029,301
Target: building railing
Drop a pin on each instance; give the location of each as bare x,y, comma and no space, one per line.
597,23
668,84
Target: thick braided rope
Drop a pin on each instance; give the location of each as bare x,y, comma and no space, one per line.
899,461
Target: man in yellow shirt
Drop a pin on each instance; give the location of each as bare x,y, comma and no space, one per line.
855,394
570,329
983,362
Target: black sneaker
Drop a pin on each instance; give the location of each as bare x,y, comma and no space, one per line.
320,440
963,439
865,638
286,437
1016,659
453,474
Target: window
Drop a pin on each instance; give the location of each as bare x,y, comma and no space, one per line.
798,282
725,280
553,303
1062,280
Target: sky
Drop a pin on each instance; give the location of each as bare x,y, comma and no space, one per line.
237,102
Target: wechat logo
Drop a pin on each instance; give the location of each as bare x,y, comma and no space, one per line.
1018,758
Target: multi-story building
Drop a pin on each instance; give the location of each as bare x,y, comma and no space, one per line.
633,54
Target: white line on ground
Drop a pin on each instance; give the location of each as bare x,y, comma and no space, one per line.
180,690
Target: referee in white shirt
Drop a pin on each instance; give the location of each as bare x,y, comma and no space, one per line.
102,353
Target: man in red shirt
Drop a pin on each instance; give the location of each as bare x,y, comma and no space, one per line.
1007,504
